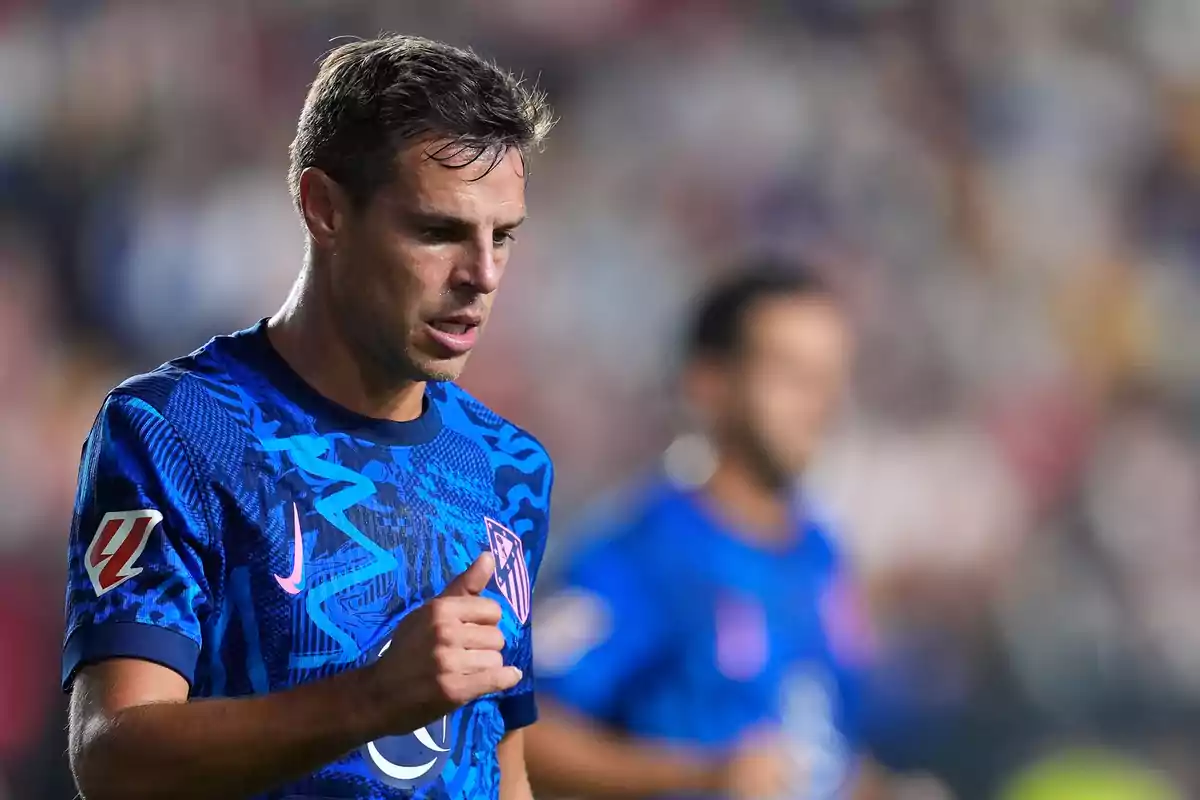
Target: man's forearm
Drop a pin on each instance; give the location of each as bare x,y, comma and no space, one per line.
229,748
569,755
510,754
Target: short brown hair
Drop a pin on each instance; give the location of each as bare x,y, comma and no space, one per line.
370,98
718,327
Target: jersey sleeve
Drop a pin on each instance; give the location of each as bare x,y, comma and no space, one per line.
602,629
139,545
518,706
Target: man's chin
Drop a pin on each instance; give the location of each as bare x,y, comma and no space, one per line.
442,369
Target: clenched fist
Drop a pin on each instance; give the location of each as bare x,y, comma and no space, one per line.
444,654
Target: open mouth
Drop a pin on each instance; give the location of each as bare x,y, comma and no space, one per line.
452,337
453,328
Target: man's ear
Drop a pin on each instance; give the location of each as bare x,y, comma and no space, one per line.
323,204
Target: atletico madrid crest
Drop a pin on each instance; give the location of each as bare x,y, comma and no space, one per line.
512,576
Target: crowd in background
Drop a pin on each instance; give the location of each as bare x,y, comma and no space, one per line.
1007,194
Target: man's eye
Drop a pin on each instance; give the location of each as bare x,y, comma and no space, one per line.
501,238
438,235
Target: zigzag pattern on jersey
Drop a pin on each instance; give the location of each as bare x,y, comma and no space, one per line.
306,451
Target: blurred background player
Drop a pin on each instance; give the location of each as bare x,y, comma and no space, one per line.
302,557
706,643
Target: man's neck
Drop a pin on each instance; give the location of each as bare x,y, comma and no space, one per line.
756,512
305,334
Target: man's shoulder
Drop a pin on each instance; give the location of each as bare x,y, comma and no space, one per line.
195,395
463,412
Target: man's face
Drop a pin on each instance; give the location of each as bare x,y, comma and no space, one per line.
415,271
777,395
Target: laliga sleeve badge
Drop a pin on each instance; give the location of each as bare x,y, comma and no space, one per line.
116,546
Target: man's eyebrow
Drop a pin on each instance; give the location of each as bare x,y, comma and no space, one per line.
433,219
508,226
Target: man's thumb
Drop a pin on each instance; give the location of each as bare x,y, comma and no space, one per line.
475,579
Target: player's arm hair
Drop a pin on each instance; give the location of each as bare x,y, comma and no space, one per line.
569,755
134,735
510,755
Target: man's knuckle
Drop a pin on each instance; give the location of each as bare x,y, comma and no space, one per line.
443,659
444,632
439,610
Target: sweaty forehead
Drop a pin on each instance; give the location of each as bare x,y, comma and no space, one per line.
481,190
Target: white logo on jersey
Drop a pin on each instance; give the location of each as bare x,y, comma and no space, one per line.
403,773
116,546
401,747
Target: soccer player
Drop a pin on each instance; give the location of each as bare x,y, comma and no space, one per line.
302,557
699,645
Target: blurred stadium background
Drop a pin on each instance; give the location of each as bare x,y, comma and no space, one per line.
1008,191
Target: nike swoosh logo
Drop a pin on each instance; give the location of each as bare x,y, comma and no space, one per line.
293,583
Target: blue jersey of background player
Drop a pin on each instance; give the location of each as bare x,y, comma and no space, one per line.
706,642
302,559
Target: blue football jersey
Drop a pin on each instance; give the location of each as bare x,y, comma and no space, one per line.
668,625
238,527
